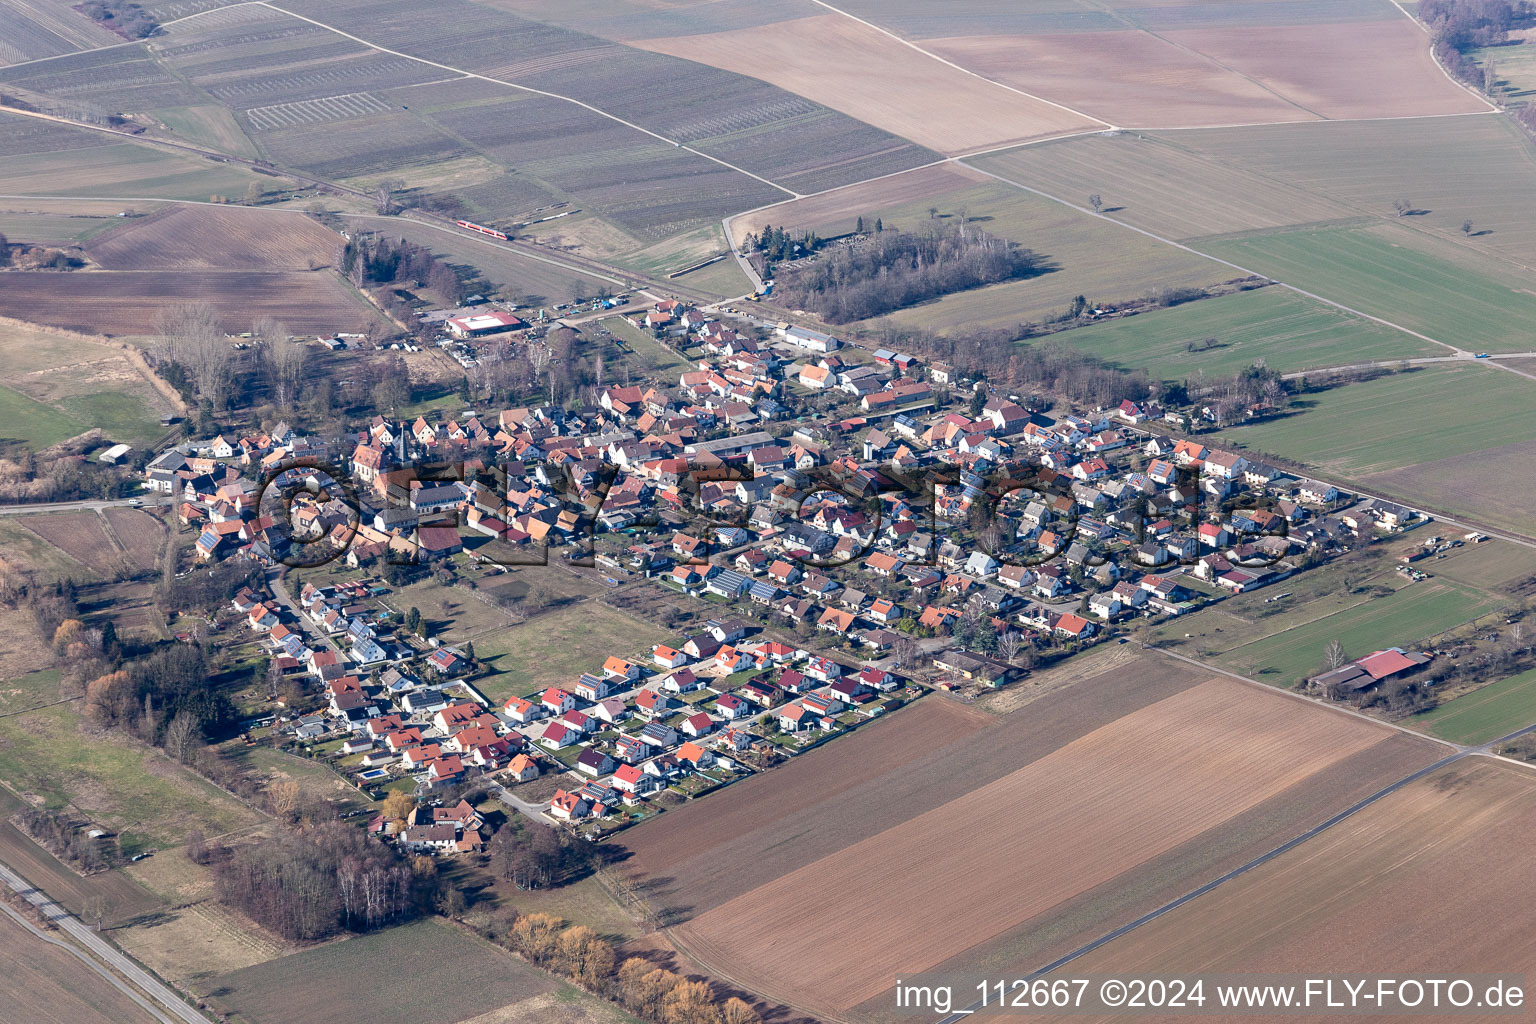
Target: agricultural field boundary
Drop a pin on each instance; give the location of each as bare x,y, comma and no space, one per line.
961,68
1460,352
510,85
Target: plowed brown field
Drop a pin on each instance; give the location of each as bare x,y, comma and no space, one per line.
1435,877
80,536
1364,69
856,69
131,302
1131,78
835,931
217,238
141,533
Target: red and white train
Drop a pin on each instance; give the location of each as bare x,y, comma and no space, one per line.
471,225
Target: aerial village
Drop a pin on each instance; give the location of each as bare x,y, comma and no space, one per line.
769,490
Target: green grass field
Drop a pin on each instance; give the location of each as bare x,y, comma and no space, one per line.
1407,616
1484,714
1433,412
1288,331
557,647
149,799
1442,290
649,357
122,169
34,424
121,416
211,125
1356,600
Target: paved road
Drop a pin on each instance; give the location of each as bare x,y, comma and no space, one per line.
80,955
528,810
87,938
280,591
94,505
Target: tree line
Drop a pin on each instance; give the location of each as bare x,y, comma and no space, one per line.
124,17
318,883
892,269
776,244
1457,26
368,259
647,990
67,841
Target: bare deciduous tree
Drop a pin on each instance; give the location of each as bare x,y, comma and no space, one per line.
1009,645
182,737
284,358
190,335
1334,656
1096,201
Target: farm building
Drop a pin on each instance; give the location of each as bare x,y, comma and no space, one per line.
478,325
112,456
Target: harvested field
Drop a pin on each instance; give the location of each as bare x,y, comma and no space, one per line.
870,76
26,549
121,898
192,945
43,984
822,774
1492,486
920,19
835,212
56,222
1447,892
501,266
63,384
53,756
86,168
131,302
141,534
1129,78
557,646
1130,790
1156,183
79,535
1448,170
1083,255
1362,69
378,976
217,238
